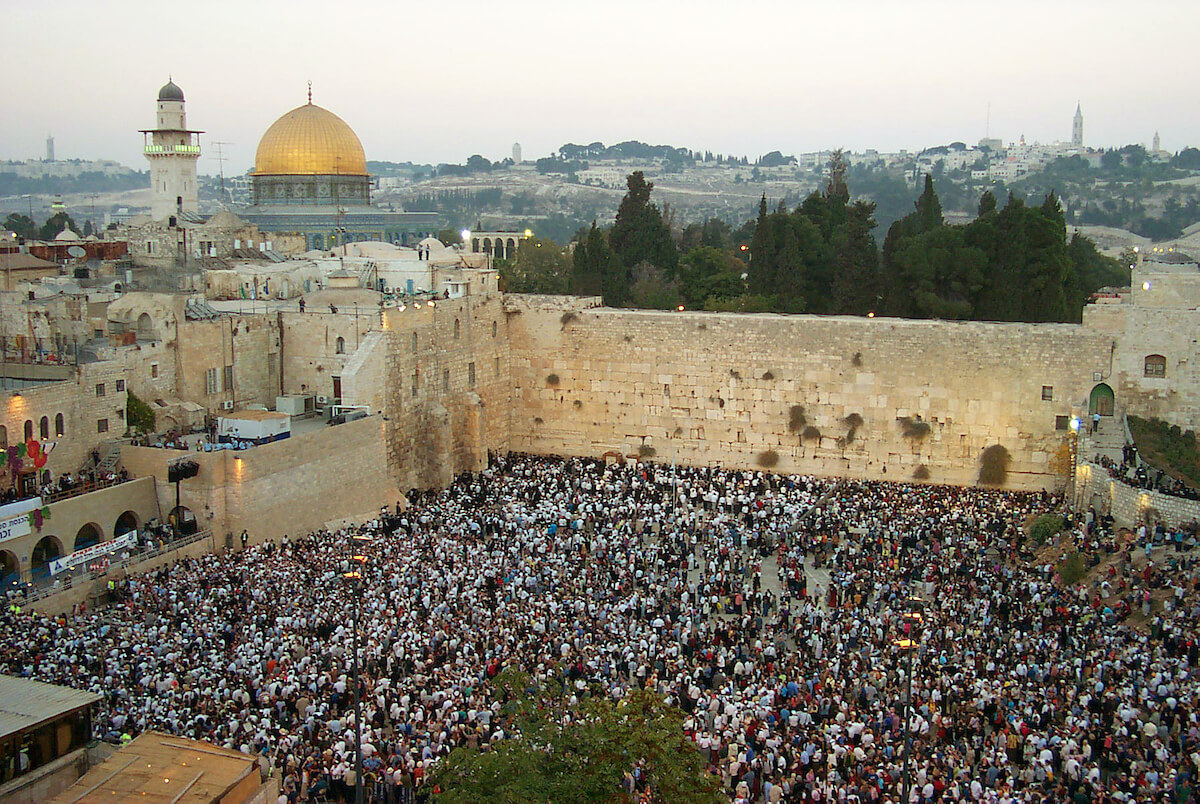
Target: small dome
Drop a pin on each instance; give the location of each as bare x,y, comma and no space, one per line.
66,234
310,141
170,92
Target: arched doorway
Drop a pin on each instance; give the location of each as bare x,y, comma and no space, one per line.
1101,400
10,570
145,328
88,536
46,550
183,520
126,522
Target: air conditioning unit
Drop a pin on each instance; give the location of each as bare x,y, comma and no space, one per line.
227,405
322,400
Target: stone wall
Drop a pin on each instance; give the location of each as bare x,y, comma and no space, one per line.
715,388
310,351
291,486
1129,506
447,389
91,401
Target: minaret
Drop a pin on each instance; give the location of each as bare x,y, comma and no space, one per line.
1157,144
172,150
1077,128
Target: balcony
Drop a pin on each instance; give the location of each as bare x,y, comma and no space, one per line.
160,150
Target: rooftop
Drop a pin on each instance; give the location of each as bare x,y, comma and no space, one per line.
158,768
26,704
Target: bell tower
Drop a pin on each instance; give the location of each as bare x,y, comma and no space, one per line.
1077,127
172,149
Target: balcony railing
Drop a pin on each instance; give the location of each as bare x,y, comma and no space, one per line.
173,149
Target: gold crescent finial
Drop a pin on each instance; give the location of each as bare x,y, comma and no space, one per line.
310,93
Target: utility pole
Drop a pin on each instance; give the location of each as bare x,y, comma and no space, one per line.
221,166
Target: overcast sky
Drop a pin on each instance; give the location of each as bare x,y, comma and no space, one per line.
436,82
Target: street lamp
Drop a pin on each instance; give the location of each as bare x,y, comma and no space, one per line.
909,646
355,579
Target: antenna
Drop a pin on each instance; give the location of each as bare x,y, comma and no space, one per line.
221,165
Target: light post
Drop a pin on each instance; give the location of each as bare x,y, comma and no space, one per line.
355,578
909,646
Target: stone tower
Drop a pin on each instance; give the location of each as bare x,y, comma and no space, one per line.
172,149
1077,128
516,153
1157,144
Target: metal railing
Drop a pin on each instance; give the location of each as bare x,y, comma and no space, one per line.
84,573
83,488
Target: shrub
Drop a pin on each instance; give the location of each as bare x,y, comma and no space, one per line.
138,414
856,361
913,428
537,420
1072,568
768,375
568,317
852,422
993,466
646,451
735,374
921,472
796,418
552,379
811,434
678,432
1046,527
768,459
577,404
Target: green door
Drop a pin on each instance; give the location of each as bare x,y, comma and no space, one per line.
1101,401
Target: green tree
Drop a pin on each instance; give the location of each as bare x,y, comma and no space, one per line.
706,272
639,234
55,224
540,266
569,754
138,415
652,289
596,271
450,237
22,225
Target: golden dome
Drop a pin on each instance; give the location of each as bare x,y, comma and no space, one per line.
310,141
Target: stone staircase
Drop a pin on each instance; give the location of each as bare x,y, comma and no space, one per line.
1109,441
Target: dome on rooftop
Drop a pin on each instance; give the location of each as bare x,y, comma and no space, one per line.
310,141
170,92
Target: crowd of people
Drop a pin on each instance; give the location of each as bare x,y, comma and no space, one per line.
827,641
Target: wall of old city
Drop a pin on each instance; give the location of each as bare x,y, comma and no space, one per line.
291,486
448,386
712,388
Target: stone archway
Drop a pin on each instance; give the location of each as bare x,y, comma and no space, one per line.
88,535
1101,400
46,550
126,522
10,570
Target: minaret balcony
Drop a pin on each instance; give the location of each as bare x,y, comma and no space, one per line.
159,150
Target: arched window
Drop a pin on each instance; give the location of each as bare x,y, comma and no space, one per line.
28,429
414,340
340,347
44,428
495,328
58,426
457,328
1156,366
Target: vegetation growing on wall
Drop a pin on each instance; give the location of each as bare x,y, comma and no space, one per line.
768,459
913,428
993,466
139,416
796,418
921,472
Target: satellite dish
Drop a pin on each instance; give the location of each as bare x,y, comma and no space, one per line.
77,251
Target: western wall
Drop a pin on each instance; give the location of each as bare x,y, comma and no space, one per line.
723,389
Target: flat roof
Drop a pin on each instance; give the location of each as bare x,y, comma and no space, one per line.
255,415
157,767
26,704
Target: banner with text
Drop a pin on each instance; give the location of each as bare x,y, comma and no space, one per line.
91,553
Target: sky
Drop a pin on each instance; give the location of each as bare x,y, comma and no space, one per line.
427,82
